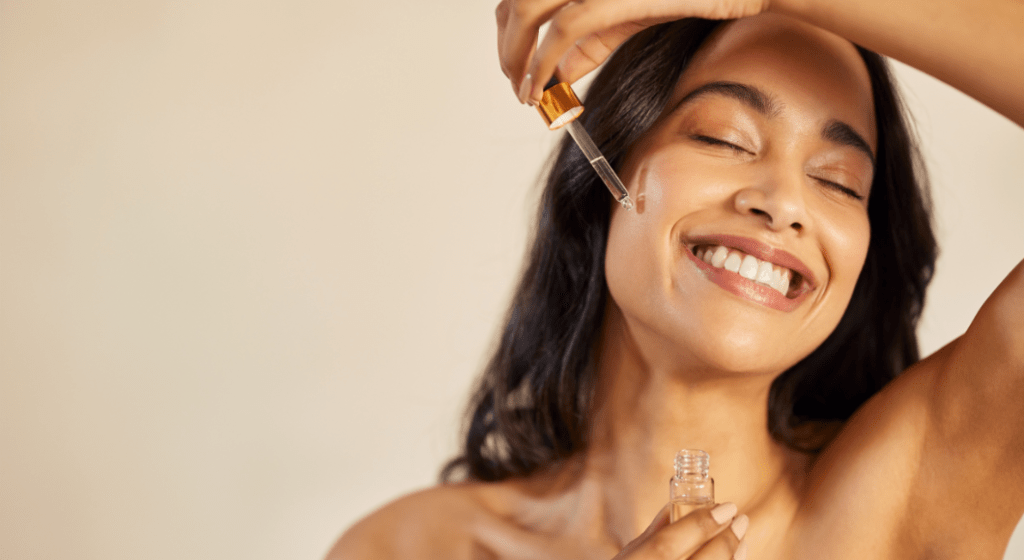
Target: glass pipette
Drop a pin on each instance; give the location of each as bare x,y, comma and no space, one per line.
560,107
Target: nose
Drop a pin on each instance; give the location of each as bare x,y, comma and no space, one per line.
780,202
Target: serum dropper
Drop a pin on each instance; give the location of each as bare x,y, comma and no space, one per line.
560,107
691,487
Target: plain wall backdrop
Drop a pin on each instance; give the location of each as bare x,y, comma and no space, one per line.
253,254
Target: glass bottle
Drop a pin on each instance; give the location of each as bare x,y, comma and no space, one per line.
691,487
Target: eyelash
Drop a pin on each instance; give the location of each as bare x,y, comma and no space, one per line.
845,190
716,142
712,141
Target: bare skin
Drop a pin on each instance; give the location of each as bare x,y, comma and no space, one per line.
931,467
834,508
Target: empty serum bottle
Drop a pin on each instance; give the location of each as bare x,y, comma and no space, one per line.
691,487
559,106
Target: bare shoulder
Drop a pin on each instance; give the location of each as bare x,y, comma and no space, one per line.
433,523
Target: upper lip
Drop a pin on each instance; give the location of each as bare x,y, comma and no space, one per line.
759,250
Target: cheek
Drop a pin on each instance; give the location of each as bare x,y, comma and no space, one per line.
631,262
641,249
643,244
673,182
846,240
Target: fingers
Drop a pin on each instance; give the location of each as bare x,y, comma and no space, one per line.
704,534
589,52
573,22
518,24
582,34
663,519
726,544
694,531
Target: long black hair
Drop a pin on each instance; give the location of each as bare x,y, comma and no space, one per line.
531,407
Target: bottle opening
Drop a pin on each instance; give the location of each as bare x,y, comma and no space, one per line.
692,462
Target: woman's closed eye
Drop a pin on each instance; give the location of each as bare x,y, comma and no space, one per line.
839,188
725,144
712,141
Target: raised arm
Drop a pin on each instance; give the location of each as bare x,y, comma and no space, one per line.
976,46
973,449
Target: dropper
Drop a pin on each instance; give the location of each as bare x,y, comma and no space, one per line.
560,107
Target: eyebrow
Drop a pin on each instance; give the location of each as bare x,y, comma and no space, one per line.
835,131
843,134
751,96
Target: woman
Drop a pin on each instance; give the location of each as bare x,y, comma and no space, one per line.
772,141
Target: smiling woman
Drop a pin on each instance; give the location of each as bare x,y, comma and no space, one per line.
747,150
760,304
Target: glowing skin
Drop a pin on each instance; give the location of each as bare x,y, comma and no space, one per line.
717,167
681,344
682,341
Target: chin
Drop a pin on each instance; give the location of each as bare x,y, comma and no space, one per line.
741,349
704,328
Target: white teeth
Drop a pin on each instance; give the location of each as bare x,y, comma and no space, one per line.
748,268
732,263
718,259
780,281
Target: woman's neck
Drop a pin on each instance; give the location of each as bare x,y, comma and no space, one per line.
644,412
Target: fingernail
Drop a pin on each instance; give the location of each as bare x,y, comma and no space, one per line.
739,526
741,551
536,100
525,88
724,512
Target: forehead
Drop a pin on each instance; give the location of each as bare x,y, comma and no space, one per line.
815,76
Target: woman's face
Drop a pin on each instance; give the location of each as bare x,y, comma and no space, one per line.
761,165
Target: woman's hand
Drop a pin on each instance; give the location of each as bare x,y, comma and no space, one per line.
705,534
583,34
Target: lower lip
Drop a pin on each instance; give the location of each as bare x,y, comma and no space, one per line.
744,288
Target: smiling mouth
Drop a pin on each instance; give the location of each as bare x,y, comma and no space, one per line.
785,281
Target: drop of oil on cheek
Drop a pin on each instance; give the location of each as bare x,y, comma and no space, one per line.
665,178
641,203
649,186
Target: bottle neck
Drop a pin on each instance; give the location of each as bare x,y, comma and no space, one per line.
691,464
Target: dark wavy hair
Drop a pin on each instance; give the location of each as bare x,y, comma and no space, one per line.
531,408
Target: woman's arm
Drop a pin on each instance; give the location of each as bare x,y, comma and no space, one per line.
947,439
969,471
970,465
972,452
976,47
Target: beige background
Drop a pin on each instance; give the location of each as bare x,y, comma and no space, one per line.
252,255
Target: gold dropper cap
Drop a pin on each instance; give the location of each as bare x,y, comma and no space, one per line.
559,106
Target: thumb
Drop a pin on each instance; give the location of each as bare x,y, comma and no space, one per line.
593,49
660,520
